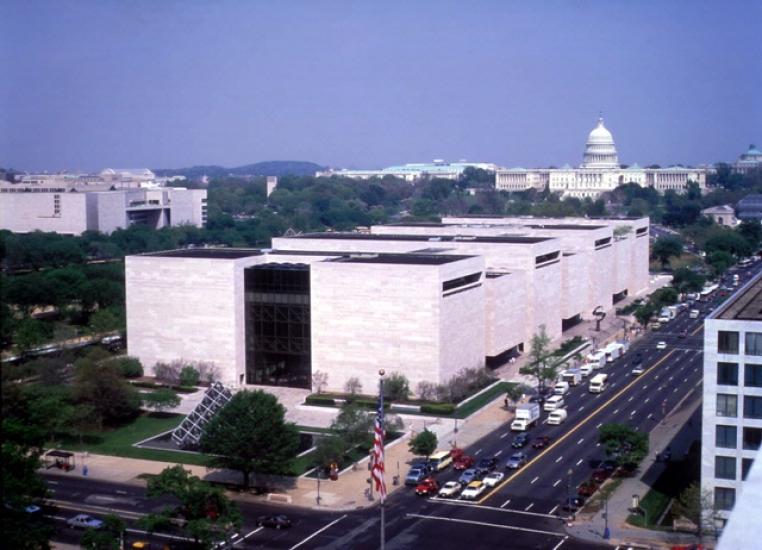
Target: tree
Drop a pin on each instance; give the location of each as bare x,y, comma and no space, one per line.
353,385
719,261
319,380
85,418
109,537
624,444
685,279
250,434
209,515
514,393
130,367
161,400
665,248
353,424
751,230
189,376
729,241
396,387
538,359
644,313
695,505
101,385
424,443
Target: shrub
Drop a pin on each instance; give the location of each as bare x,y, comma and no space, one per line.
319,400
208,372
396,387
427,391
353,385
161,400
189,376
438,408
169,373
465,383
130,367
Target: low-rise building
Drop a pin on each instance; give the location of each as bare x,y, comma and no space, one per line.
721,215
413,171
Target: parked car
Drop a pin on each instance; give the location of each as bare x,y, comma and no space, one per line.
84,521
472,474
587,488
279,521
464,462
450,489
572,504
486,465
520,441
473,490
608,465
600,475
493,478
516,461
541,442
427,487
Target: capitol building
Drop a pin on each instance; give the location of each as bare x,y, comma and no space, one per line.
599,172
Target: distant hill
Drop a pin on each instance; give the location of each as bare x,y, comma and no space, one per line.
266,168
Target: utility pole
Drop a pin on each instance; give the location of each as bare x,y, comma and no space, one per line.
606,532
569,494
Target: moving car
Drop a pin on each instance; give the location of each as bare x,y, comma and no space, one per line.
516,461
427,487
450,489
554,402
473,490
279,521
492,479
472,474
541,442
637,371
464,462
661,345
84,521
487,464
557,416
416,475
520,441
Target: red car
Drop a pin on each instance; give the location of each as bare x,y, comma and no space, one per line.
456,453
464,462
541,442
600,475
427,487
587,488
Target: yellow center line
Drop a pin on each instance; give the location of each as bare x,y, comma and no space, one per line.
577,427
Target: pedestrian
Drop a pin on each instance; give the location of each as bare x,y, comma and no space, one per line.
506,401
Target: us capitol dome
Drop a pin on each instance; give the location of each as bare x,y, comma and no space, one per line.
599,172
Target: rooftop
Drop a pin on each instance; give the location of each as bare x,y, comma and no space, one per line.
423,238
406,259
208,253
744,305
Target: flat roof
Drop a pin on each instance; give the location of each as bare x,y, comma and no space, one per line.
566,226
208,253
744,305
404,259
423,238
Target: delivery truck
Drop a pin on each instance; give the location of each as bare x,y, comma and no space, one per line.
597,359
526,416
613,351
572,376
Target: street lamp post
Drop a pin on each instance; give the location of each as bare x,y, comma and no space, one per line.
317,471
569,493
606,532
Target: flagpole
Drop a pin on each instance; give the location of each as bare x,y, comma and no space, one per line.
381,401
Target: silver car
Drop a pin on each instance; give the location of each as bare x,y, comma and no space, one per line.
516,461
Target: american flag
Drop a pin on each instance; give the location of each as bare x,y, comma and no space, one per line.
377,471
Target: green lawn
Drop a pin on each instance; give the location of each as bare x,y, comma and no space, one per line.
119,441
481,401
654,503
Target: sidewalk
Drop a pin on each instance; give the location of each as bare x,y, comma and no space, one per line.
590,526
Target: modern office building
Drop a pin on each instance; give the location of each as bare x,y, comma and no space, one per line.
413,171
427,300
732,406
599,172
75,204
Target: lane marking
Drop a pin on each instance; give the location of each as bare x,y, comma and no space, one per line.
529,507
477,452
647,400
316,533
631,398
552,511
557,546
580,461
556,484
53,482
504,436
580,441
633,412
499,453
506,503
559,459
616,411
535,479
589,418
485,524
599,425
582,408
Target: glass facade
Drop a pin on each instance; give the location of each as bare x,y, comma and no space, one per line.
278,325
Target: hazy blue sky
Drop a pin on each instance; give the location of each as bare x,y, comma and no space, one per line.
90,84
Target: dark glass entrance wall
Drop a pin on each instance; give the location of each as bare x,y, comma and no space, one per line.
278,325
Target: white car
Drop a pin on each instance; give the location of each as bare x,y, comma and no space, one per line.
83,521
473,490
661,345
450,489
493,479
637,371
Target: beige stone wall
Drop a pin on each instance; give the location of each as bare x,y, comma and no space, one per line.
505,312
26,212
574,285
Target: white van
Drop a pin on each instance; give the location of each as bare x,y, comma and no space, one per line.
561,388
586,369
554,402
598,383
557,417
694,314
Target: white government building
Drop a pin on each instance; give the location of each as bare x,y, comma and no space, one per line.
426,300
599,172
112,199
732,407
